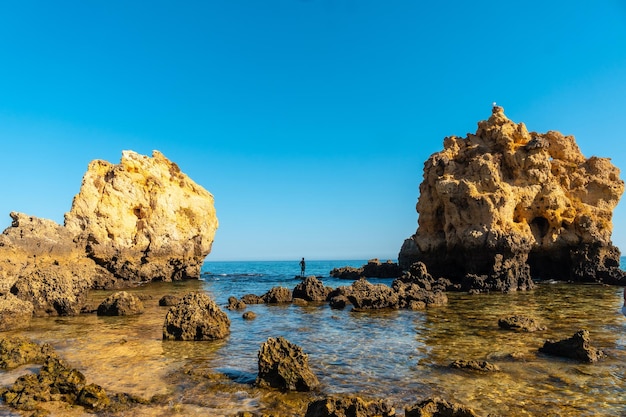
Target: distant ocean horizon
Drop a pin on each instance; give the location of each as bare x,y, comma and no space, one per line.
314,266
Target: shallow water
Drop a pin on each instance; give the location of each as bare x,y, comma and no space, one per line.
400,355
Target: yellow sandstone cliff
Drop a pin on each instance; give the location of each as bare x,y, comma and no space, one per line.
504,205
143,219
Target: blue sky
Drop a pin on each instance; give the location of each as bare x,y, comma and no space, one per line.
308,120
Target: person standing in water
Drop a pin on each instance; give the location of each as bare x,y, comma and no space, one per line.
302,267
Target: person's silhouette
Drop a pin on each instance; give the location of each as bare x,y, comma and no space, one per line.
302,267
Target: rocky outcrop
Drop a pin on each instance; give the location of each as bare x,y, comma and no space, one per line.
143,219
40,264
196,317
364,295
277,295
372,269
285,366
55,381
17,351
576,347
437,407
415,290
349,407
347,272
121,303
311,289
505,205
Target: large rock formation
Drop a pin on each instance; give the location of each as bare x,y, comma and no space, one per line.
503,205
143,219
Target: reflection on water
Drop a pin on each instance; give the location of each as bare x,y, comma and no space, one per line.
400,355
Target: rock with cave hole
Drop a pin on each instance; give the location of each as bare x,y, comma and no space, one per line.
504,206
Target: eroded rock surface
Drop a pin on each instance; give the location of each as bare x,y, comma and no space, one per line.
576,347
143,219
520,323
311,289
285,366
121,303
349,407
505,204
196,317
438,407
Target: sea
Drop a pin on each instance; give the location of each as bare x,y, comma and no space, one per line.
401,356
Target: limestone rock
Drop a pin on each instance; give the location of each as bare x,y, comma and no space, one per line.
576,347
372,269
505,205
121,303
347,272
277,295
52,290
235,304
143,219
169,300
14,313
311,289
367,296
196,317
437,407
17,351
42,265
472,365
349,407
520,323
284,365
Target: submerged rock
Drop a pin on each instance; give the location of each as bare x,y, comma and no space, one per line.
55,381
482,366
196,317
285,366
576,347
121,303
143,219
505,205
17,351
520,323
349,407
437,407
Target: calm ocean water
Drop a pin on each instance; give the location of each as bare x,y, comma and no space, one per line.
399,355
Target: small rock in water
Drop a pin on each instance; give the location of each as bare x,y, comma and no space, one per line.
284,365
576,347
437,407
520,323
121,303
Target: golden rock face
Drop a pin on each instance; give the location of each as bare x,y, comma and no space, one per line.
504,190
143,219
